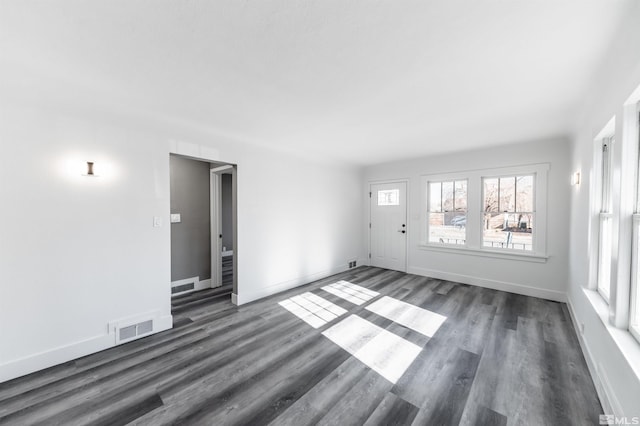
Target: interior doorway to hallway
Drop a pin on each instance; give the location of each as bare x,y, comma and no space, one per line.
203,235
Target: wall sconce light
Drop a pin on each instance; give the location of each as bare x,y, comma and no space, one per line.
90,170
575,178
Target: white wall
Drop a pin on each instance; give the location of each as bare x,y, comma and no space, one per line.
78,252
297,221
546,279
616,378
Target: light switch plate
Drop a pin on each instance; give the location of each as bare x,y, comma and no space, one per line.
157,221
175,218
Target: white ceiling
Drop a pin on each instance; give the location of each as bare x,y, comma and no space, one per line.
358,81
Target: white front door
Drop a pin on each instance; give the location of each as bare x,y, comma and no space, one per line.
388,233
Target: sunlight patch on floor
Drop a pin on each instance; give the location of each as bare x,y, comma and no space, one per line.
384,352
312,309
351,292
411,316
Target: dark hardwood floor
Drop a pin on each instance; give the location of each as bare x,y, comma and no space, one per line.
186,306
469,356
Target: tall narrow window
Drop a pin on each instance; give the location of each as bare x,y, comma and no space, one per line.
605,220
634,320
447,209
508,212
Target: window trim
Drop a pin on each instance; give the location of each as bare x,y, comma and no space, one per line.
605,217
634,325
487,252
633,122
475,211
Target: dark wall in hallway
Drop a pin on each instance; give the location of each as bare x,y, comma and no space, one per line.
191,238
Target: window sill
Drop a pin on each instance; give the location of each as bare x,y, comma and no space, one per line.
484,253
625,341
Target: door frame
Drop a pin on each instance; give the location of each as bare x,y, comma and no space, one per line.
215,186
407,198
210,155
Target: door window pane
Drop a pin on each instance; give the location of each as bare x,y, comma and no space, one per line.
389,197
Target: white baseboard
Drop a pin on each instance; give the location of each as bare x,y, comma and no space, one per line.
234,299
197,284
525,290
36,362
59,355
245,297
607,397
203,284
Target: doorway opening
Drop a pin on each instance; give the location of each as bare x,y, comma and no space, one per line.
203,236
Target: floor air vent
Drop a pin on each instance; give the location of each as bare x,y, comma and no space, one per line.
132,331
184,287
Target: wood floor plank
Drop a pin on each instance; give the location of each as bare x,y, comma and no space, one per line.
316,403
514,306
449,391
487,416
494,376
445,287
569,392
473,330
528,376
363,399
118,413
393,411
